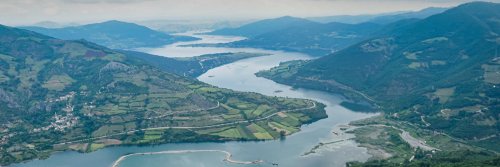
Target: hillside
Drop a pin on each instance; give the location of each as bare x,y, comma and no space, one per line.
439,74
264,26
314,39
190,66
113,34
58,95
322,39
347,19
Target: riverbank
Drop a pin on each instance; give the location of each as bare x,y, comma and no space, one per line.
402,142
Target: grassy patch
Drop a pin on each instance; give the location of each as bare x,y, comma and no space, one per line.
58,82
152,136
384,138
492,74
230,133
261,109
263,136
259,132
415,65
280,127
444,94
108,129
96,146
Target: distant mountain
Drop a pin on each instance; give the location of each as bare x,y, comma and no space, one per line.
58,95
314,39
180,26
113,34
51,24
441,73
349,19
421,14
384,18
264,26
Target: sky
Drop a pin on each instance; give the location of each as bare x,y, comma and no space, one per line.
25,12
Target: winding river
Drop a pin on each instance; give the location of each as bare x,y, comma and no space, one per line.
237,76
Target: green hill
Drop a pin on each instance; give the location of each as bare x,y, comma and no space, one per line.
58,95
440,73
190,66
314,39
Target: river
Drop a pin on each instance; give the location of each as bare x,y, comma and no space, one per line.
237,76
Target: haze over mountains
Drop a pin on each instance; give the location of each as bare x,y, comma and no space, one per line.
380,18
113,34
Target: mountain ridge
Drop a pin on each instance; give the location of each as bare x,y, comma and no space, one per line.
435,73
264,26
113,34
314,39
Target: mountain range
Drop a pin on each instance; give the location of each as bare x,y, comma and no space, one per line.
314,39
317,39
264,26
440,73
113,34
384,18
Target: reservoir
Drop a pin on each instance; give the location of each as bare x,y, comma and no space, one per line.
239,76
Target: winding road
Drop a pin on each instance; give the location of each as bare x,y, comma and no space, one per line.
190,127
183,111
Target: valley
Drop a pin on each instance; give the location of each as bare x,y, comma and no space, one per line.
406,84
236,76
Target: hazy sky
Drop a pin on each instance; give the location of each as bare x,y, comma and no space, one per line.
19,12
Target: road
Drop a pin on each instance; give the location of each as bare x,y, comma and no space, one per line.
190,127
412,141
183,111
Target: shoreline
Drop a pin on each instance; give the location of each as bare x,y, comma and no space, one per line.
227,158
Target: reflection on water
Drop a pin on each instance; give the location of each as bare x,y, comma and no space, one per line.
238,76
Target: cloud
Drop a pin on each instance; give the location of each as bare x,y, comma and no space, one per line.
19,12
104,1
